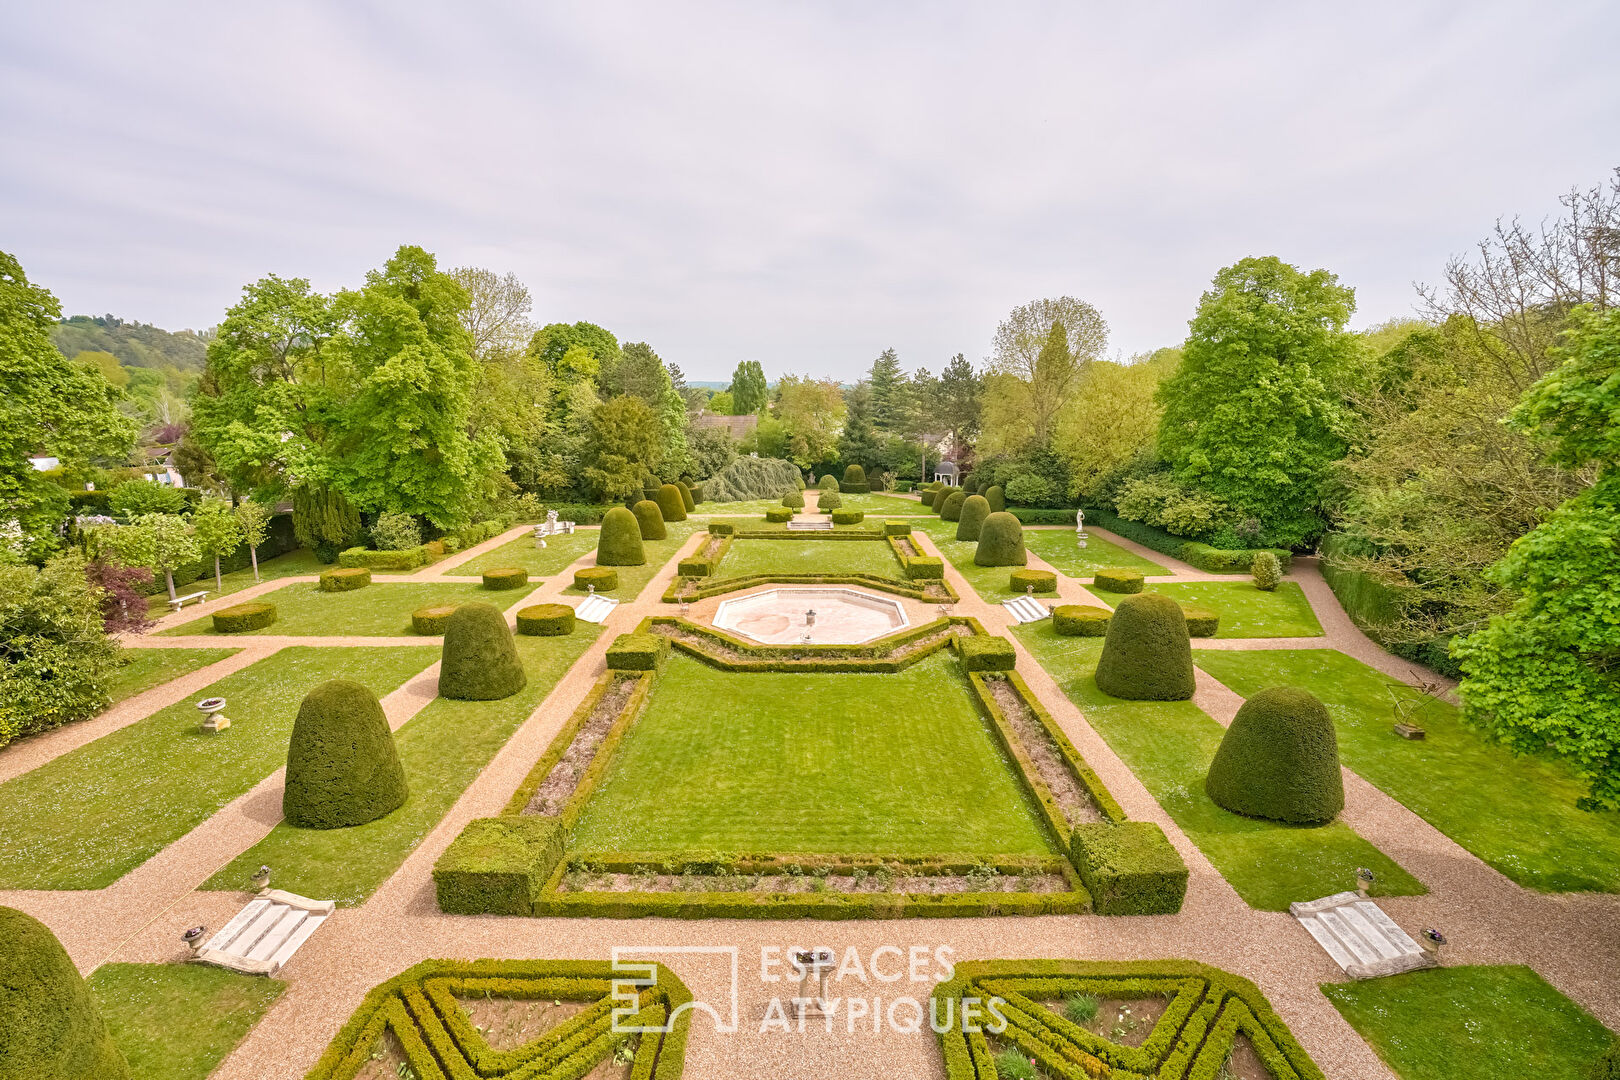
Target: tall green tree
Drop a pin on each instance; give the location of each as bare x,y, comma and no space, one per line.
254,521
749,391
957,403
48,405
625,439
888,390
1255,413
574,353
859,444
217,532
1036,379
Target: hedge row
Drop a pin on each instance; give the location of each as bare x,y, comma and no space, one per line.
791,534
638,651
714,863
703,588
810,905
1209,559
1130,868
873,656
701,565
565,738
240,618
399,562
439,1040
985,653
1373,601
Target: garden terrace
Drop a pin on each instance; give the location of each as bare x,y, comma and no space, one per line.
1245,611
379,610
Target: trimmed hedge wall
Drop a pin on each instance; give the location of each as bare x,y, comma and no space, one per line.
704,565
497,866
892,527
545,620
239,618
1118,580
1041,581
1081,620
1209,559
720,649
924,567
1130,868
345,579
605,578
848,517
431,621
722,528
719,586
986,653
399,562
637,651
504,578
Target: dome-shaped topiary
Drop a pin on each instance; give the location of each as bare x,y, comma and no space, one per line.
1279,760
670,503
1001,542
854,474
619,543
793,500
828,500
342,768
688,503
974,510
649,520
952,509
996,498
480,660
937,503
828,483
1146,655
50,1028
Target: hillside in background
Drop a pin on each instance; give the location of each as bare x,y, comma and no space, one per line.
134,344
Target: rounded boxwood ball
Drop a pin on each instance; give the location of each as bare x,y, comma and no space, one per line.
828,483
1081,620
1147,655
974,510
546,620
619,543
951,510
431,621
1001,542
670,503
650,521
829,500
345,578
848,517
996,498
688,503
793,500
1279,760
854,474
342,768
50,1028
480,660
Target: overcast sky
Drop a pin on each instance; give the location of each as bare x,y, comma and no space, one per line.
802,184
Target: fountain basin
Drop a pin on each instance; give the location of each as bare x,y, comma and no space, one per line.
842,616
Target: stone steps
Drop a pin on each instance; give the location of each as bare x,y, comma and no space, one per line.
1360,938
1026,609
595,608
264,935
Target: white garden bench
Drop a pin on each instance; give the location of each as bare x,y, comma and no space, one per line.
181,601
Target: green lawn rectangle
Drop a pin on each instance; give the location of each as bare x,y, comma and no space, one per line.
748,507
829,763
526,553
92,815
1482,1022
1060,548
378,610
1516,813
292,564
632,579
145,668
179,1021
443,748
883,505
749,557
1169,745
1245,611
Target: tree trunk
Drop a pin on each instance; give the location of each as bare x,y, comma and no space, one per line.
219,585
168,577
253,553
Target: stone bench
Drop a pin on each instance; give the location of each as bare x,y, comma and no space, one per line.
181,601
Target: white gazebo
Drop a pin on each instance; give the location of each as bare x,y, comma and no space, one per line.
947,473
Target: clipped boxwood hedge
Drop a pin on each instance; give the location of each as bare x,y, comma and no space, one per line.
1081,620
1146,655
1001,542
239,618
400,561
1118,580
497,866
619,541
722,528
345,578
892,527
479,661
985,652
828,501
848,517
779,514
925,568
638,651
1213,560
1279,760
1129,869
1041,581
1201,621
506,577
430,621
670,503
793,500
546,620
605,578
649,520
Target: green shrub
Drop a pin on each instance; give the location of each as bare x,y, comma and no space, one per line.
983,652
649,520
545,620
937,502
638,651
50,1028
793,500
1201,622
604,578
848,517
779,514
997,498
1129,869
342,767
1027,489
896,528
56,660
497,866
829,500
431,621
396,532
670,503
951,508
345,578
855,482
503,578
480,660
1267,570
400,562
619,543
752,478
1607,1067
828,483
1118,580
1081,620
1146,655
688,503
970,519
1041,581
239,618
722,528
1001,542
1279,760
925,568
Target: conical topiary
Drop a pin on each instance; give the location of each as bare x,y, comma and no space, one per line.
1001,542
1147,655
342,767
937,503
952,510
688,503
1279,760
50,1028
649,520
670,503
996,498
619,543
974,510
480,660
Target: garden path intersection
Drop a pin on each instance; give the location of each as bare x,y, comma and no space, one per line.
886,969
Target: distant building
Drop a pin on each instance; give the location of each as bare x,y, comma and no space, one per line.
739,427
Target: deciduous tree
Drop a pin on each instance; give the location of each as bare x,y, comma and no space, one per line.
749,392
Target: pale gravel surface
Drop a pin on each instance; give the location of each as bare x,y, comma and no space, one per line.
1567,938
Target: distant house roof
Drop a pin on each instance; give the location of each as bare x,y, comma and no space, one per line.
945,468
737,426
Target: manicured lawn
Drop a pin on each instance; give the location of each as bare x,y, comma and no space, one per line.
990,582
146,668
1059,547
1516,813
526,552
781,762
292,564
378,610
748,557
443,748
1500,1021
1169,745
92,815
1246,612
178,1021
632,579
885,505
750,507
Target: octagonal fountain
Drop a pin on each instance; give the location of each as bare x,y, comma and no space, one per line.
812,616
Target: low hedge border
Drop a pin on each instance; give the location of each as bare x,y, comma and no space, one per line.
1130,868
986,653
779,514
871,656
701,565
498,865
431,621
892,527
1118,580
565,738
769,863
546,620
923,567
826,905
1208,1009
345,578
240,618
692,589
793,534
722,528
1201,621
1212,560
401,561
848,517
1081,620
503,578
439,1041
